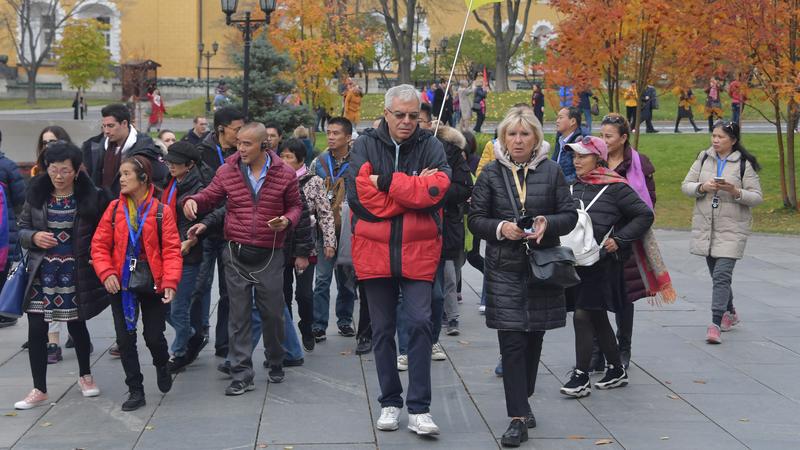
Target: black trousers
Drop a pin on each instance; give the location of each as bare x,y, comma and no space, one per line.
37,348
303,294
479,121
364,322
520,353
153,314
630,112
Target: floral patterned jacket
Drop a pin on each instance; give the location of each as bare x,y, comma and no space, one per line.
319,207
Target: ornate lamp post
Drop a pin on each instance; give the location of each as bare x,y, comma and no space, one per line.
208,55
436,52
246,26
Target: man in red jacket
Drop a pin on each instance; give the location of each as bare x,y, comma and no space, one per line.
396,182
260,190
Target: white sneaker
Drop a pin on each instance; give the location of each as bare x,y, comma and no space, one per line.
390,419
422,424
402,363
482,309
34,399
88,386
437,352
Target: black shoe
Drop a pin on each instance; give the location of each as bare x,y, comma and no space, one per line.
364,346
239,387
309,343
697,130
194,347
652,131
70,343
135,401
225,367
178,364
516,434
677,130
347,331
276,374
290,362
163,379
615,377
598,361
530,420
6,322
319,336
221,352
625,356
578,385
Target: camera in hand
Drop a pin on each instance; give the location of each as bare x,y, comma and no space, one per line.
525,223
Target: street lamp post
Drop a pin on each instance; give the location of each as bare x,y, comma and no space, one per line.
436,52
246,26
421,14
208,55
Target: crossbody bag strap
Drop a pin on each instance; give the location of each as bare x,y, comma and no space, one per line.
597,196
511,197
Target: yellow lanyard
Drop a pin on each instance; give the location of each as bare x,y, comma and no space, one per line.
522,188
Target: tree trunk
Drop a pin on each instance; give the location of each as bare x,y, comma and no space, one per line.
404,65
781,160
501,69
31,85
792,175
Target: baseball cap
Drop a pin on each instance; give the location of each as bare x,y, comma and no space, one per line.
589,145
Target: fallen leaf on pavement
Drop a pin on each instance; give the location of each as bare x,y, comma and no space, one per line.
10,414
46,424
345,353
673,396
148,428
664,438
262,445
668,382
576,437
463,342
700,381
744,419
603,441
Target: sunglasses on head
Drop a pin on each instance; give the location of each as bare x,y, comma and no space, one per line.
613,119
727,125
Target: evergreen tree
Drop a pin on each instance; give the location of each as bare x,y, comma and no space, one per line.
269,84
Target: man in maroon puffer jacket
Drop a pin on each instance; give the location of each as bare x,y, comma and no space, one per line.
263,201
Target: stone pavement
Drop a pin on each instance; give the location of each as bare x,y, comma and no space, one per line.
684,394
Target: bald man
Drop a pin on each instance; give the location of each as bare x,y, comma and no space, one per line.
260,190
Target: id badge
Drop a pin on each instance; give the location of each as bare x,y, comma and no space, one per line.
715,202
132,265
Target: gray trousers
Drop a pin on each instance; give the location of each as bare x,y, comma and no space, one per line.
268,288
450,287
721,271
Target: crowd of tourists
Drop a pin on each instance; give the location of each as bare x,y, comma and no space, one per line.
392,213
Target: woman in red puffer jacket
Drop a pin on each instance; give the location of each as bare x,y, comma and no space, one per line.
137,233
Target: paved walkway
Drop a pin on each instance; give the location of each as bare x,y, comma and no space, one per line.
684,394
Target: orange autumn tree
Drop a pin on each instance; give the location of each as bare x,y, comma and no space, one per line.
318,35
767,33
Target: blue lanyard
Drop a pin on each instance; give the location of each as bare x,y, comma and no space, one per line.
721,165
171,194
219,153
341,169
134,236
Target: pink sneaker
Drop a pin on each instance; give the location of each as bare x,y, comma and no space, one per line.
713,335
34,399
729,321
88,387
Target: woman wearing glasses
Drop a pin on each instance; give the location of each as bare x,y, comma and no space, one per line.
521,183
56,226
725,185
618,217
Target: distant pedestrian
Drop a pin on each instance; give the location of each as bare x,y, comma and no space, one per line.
713,102
465,104
79,106
631,103
649,103
537,102
157,110
479,104
352,105
738,96
685,101
585,98
725,184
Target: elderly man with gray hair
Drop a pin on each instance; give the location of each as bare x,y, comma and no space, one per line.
396,183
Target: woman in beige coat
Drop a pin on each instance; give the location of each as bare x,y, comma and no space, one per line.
725,185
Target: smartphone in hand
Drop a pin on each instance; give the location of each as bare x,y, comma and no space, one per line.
719,180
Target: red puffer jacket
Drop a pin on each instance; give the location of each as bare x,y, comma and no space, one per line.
397,227
109,246
246,215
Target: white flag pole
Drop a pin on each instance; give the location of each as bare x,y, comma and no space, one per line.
452,69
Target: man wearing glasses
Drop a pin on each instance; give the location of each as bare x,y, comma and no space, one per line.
396,183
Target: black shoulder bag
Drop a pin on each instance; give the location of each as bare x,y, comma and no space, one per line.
552,267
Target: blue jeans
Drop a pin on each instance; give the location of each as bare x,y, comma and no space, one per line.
290,341
587,122
345,297
437,308
178,316
201,298
736,110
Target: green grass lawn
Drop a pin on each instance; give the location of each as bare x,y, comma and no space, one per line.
188,109
672,156
48,103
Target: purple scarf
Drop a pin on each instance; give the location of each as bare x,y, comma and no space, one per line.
636,180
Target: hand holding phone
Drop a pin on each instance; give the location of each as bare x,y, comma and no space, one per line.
719,180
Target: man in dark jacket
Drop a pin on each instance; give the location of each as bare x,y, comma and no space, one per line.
214,149
198,132
260,189
14,186
568,130
649,103
102,160
396,183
